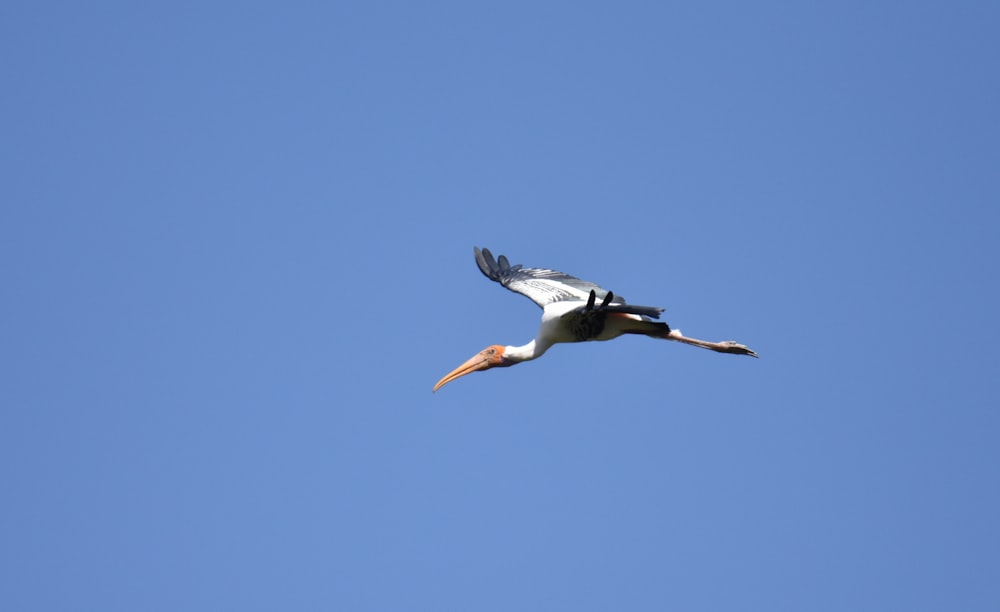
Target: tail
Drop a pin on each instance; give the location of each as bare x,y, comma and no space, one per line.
653,329
645,311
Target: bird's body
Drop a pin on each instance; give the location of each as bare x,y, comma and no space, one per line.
573,310
564,322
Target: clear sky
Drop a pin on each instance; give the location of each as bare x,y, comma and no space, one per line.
236,243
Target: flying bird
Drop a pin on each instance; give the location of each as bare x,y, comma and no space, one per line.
573,310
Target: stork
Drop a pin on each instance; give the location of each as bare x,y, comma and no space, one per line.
573,310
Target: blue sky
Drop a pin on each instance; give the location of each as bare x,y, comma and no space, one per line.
237,244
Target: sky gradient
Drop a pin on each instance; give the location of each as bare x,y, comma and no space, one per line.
237,252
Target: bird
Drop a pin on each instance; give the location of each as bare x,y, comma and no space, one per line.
573,310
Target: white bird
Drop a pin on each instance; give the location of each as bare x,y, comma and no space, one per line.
573,310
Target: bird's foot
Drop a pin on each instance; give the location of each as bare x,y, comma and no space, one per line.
737,349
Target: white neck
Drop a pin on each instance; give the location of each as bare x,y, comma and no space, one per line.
527,352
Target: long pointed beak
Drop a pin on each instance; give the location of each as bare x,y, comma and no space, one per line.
476,363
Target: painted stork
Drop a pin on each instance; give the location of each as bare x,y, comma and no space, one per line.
573,310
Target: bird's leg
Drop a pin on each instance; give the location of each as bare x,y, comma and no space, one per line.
607,299
726,346
590,300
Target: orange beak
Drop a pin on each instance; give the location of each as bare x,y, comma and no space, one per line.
485,359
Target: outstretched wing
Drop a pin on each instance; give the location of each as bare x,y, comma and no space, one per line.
539,285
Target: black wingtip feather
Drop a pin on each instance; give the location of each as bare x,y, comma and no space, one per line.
493,268
487,265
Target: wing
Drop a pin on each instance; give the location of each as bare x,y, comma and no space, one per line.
610,304
539,285
586,322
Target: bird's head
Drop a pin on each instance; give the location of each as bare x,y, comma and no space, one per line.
490,357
